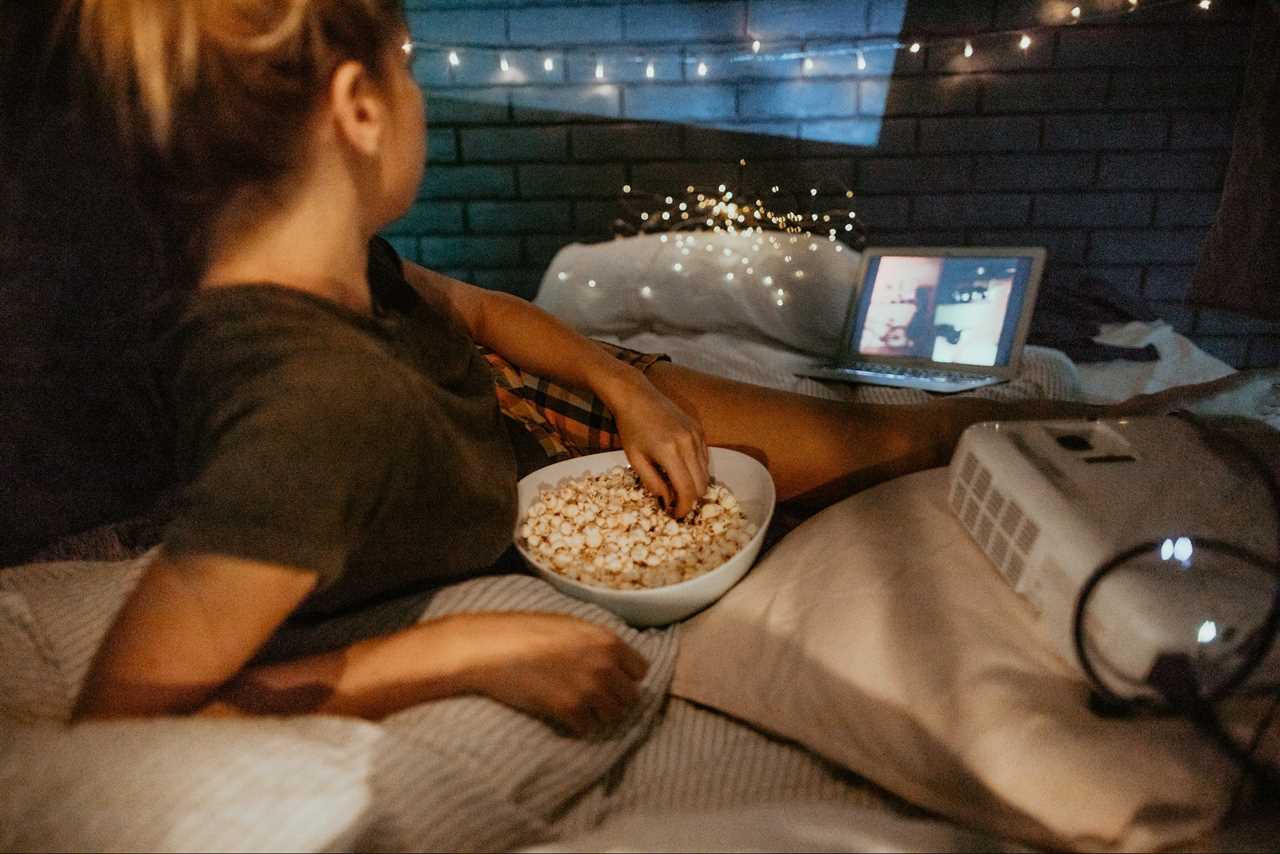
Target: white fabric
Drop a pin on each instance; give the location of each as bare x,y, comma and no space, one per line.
465,773
1181,362
878,635
637,287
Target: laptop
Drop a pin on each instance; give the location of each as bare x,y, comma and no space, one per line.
942,319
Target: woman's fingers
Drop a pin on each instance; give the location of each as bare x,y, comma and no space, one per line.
651,478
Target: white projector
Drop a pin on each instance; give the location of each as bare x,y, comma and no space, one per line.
1049,502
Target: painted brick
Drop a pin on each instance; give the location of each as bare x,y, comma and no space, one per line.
476,252
826,175
1111,47
1233,351
477,26
991,55
1172,171
484,68
571,180
915,237
1222,45
990,210
1175,89
1179,315
687,102
518,217
625,142
1033,171
594,220
628,68
1096,210
980,134
788,18
685,22
665,177
1199,209
516,144
406,247
442,145
429,218
535,102
1043,92
468,182
886,17
1168,283
1202,130
832,137
431,69
1066,276
913,174
799,100
942,17
575,24
1264,352
881,212
763,141
471,106
1064,246
540,250
953,93
1171,246
881,61
1090,132
1212,321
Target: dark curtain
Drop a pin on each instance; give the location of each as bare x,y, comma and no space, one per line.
1239,265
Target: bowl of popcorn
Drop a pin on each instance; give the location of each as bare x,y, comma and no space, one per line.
593,531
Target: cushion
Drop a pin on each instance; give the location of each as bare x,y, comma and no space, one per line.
790,290
878,635
465,773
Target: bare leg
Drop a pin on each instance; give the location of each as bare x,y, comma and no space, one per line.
820,451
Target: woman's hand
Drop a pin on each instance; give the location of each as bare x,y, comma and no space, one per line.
664,444
560,668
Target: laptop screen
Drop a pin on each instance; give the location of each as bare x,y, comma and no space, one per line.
957,310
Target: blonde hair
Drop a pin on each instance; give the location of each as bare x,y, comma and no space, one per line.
205,97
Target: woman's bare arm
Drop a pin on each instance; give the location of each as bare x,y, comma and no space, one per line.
657,434
181,642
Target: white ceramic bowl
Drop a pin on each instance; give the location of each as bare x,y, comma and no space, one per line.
656,606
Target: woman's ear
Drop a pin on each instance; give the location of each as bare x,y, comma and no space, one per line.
359,107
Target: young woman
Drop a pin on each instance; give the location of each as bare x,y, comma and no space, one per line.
337,430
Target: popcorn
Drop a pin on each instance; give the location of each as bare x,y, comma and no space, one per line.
607,530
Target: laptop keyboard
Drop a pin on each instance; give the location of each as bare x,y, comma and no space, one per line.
919,373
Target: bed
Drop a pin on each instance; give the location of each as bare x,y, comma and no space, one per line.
790,716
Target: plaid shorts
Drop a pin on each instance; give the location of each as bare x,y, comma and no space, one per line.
566,423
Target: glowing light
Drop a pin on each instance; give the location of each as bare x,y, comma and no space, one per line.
563,276
728,277
503,64
702,69
1075,12
646,292
591,283
407,47
915,47
968,49
626,188
1206,5
599,70
768,280
549,64
1182,549
650,71
1208,632
755,46
1025,42
862,61
678,267
808,64
454,59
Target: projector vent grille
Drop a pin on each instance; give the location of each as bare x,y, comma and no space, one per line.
997,524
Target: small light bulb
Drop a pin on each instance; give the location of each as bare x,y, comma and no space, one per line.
808,64
1025,42
755,46
862,61
407,47
1208,629
915,47
549,64
1133,3
968,49
599,70
650,71
454,59
591,283
626,188
1205,4
1075,12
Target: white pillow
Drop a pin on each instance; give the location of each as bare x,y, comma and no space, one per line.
776,287
878,635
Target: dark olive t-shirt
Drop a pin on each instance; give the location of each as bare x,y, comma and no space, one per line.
367,449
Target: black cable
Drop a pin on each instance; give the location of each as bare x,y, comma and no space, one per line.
1172,675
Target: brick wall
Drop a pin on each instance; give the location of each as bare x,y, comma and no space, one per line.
1106,142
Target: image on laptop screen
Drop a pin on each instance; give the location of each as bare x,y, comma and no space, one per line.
960,310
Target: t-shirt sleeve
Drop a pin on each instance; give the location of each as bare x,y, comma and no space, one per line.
289,450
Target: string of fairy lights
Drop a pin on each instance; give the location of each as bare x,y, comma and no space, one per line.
748,220
513,59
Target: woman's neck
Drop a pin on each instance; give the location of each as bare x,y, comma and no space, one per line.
314,243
